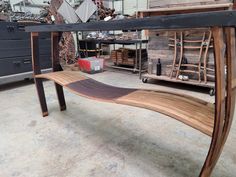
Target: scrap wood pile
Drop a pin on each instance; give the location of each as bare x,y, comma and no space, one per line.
104,12
5,6
6,13
5,9
125,56
67,45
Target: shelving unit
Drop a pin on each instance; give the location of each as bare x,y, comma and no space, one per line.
136,67
180,10
168,79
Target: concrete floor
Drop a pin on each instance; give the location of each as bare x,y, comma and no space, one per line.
94,139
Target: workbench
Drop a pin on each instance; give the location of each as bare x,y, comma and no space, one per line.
213,120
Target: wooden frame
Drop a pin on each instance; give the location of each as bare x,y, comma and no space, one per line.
222,27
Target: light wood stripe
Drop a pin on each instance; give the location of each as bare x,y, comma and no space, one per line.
63,77
198,115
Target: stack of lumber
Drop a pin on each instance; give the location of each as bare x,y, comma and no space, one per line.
104,12
124,56
67,45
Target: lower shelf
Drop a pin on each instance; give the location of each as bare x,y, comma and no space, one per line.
189,82
191,111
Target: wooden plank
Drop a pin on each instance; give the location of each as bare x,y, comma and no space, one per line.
208,19
37,70
57,67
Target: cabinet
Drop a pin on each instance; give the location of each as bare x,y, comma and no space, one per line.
15,52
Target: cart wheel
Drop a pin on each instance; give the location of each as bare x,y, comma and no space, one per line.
212,92
144,80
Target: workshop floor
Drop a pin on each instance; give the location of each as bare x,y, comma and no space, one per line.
95,139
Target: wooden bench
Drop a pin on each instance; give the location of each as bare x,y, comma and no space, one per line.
202,119
212,119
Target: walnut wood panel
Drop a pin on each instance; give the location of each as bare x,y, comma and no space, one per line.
177,106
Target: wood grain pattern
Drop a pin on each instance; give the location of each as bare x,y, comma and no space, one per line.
177,106
63,78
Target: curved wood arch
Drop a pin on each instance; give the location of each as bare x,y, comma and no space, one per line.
225,94
216,125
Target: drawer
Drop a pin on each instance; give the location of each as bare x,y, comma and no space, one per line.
12,44
16,31
22,48
19,65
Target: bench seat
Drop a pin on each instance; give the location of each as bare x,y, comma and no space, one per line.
189,110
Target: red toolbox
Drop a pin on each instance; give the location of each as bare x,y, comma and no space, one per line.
91,65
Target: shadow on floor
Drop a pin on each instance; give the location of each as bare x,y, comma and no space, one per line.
18,84
157,154
180,86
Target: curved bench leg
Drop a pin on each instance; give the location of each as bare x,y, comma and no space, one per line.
57,67
36,71
225,96
41,96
